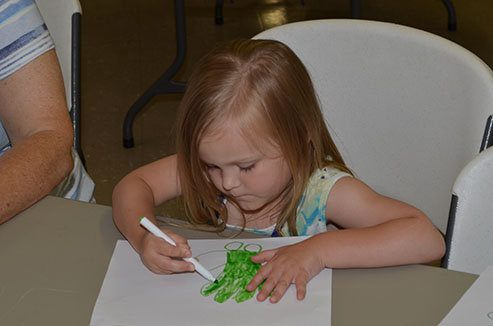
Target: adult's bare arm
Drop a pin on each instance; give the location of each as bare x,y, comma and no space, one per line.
34,113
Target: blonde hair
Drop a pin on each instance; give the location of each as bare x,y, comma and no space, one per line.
258,83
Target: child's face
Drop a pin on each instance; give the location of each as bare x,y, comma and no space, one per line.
253,177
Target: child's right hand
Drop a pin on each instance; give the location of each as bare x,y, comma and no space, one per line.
160,256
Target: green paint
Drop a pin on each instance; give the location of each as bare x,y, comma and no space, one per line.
237,273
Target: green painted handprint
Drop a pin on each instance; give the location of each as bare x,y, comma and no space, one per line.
237,273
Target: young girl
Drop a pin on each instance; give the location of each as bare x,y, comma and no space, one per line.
254,153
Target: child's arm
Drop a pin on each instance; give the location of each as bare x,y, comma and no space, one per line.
135,196
379,231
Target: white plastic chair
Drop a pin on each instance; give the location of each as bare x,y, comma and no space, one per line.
63,19
407,109
470,229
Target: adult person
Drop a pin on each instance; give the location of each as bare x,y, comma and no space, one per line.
36,134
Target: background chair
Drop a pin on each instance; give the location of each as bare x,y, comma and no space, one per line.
355,12
470,229
164,84
451,25
63,19
407,109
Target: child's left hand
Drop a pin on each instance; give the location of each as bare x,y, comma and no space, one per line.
295,263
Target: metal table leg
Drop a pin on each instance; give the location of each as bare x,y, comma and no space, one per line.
355,9
164,84
452,24
219,12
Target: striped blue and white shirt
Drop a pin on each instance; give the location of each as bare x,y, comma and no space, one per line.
23,37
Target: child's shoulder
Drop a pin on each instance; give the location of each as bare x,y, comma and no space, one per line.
327,175
310,215
321,182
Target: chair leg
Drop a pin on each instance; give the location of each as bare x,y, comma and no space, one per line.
450,230
219,12
75,105
164,84
452,24
355,9
487,135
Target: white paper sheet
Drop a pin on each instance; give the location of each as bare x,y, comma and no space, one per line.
132,295
476,305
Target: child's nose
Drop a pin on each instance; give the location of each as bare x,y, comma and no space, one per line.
230,180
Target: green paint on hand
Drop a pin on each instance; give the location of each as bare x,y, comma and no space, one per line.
237,273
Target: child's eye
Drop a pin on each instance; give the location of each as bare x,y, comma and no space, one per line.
210,167
247,168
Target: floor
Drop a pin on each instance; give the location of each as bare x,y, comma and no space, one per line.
127,44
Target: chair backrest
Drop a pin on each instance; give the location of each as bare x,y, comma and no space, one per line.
63,18
407,109
470,230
